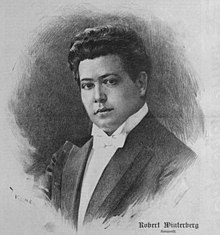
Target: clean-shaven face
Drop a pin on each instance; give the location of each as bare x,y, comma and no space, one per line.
107,91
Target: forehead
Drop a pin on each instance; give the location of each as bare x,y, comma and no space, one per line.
91,68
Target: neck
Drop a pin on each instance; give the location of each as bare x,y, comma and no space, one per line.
131,120
110,133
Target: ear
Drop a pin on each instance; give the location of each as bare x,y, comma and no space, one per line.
141,83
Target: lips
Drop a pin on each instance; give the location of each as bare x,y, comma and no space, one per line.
103,110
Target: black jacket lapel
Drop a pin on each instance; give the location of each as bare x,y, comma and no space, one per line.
72,181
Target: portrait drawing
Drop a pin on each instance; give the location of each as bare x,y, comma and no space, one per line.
108,113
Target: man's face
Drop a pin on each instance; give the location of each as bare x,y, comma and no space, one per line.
107,91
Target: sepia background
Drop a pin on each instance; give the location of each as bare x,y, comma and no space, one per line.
196,25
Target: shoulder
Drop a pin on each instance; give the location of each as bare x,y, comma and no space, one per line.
51,178
171,156
157,137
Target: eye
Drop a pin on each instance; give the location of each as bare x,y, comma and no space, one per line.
110,81
87,85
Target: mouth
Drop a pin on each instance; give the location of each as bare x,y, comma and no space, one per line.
103,111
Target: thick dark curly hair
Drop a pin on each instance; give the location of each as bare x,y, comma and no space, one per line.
110,39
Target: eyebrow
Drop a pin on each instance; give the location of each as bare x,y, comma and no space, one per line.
101,77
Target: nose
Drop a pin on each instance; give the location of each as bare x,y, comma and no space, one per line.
99,94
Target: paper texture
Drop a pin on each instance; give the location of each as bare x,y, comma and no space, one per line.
196,26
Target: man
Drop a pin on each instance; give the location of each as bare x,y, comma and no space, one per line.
131,157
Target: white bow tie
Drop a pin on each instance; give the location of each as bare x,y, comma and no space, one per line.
101,141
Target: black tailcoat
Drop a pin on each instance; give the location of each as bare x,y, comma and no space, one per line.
149,160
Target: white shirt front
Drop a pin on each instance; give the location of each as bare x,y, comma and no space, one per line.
104,147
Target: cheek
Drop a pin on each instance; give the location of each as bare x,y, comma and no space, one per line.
86,100
124,96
